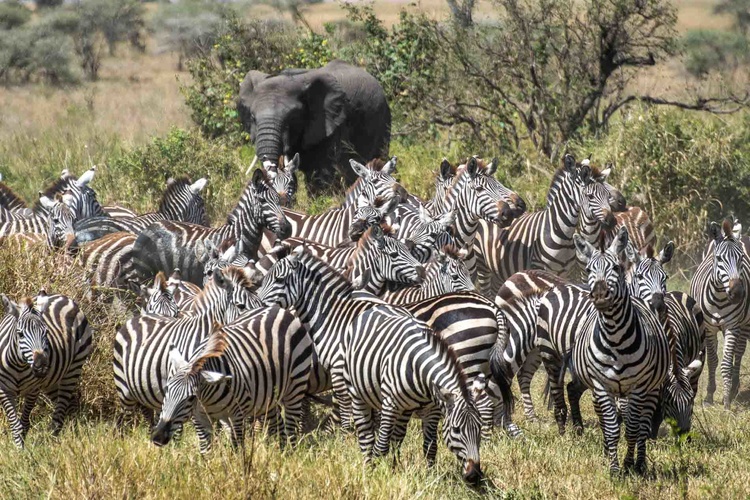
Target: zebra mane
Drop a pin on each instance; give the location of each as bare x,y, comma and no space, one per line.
315,264
650,251
239,278
214,347
173,188
452,252
9,199
60,185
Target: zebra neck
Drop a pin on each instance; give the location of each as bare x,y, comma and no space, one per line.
322,291
615,323
211,303
564,207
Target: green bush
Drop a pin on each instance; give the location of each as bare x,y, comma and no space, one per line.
714,50
13,14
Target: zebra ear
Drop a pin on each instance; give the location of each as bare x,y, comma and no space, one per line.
259,179
444,397
360,169
667,253
176,360
87,176
472,167
11,308
363,201
633,256
446,170
198,185
584,249
221,280
424,215
202,252
492,168
447,219
619,243
693,367
714,231
230,254
46,202
292,166
569,162
479,385
211,378
390,166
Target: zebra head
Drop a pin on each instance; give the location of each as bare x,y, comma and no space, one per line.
282,284
730,262
606,278
284,179
648,280
596,206
184,383
376,180
677,392
83,202
260,206
238,284
30,333
453,275
476,195
370,213
182,201
513,199
229,253
430,233
380,258
462,430
159,298
60,219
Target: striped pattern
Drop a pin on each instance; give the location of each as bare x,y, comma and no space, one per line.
396,365
108,262
181,202
255,367
159,299
543,239
619,351
720,286
165,245
142,344
284,179
41,352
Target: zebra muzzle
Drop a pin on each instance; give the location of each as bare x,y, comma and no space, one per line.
736,291
39,364
285,229
506,213
519,205
162,433
472,472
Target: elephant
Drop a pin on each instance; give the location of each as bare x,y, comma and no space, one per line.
328,115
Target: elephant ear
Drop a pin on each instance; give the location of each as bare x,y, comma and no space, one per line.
248,85
326,107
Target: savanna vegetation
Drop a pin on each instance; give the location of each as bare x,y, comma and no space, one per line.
147,91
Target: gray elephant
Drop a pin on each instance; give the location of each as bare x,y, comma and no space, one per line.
328,115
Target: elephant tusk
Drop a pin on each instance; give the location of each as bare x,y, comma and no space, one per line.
252,164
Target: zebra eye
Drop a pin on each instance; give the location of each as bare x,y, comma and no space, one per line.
241,306
639,276
479,188
393,254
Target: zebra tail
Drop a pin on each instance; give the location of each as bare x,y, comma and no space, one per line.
502,381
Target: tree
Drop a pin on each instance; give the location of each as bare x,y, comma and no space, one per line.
13,14
40,4
462,11
549,68
739,10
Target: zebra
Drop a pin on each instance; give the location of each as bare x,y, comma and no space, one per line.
683,323
142,344
516,352
369,213
396,365
543,239
720,286
108,261
166,245
9,200
159,298
446,274
181,201
83,203
324,301
284,179
331,228
619,350
55,227
42,350
251,368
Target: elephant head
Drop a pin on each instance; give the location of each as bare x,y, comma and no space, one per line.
294,110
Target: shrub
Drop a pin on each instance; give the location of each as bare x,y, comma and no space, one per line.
13,14
713,50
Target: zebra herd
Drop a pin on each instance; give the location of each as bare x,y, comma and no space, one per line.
374,302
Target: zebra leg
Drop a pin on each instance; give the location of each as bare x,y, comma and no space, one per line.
65,393
29,402
641,409
292,420
362,414
739,351
575,391
525,376
341,399
399,433
8,401
237,423
204,429
389,416
429,435
712,356
557,393
727,366
606,410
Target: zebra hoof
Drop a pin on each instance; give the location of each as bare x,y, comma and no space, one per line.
708,402
514,432
578,430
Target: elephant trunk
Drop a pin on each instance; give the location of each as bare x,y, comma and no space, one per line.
269,143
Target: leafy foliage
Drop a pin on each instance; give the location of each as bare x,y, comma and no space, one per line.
713,50
13,14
